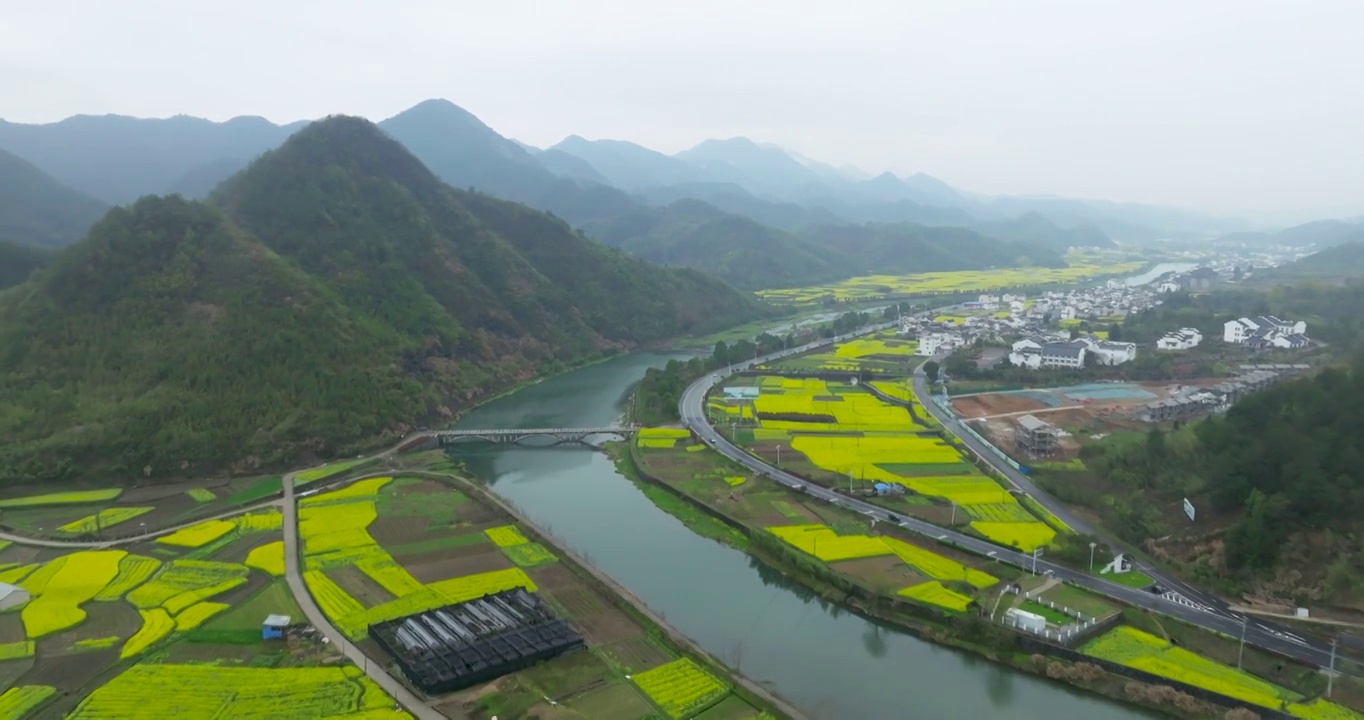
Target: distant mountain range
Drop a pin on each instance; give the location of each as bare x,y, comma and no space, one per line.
739,195
322,300
1322,233
1339,261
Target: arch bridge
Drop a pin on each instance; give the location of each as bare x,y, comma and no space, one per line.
508,436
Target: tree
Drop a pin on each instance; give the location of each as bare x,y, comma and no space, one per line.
1115,332
931,370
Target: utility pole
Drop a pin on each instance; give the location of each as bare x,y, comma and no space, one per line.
954,514
1091,557
778,454
1331,673
1035,553
1241,653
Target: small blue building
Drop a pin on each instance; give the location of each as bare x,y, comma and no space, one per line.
273,627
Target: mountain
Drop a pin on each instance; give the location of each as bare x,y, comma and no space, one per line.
736,249
1322,233
39,211
632,167
17,262
1338,262
325,299
118,159
201,181
762,170
466,153
1035,229
908,248
734,199
690,233
569,166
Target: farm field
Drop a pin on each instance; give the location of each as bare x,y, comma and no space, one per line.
836,539
94,613
882,352
834,433
388,547
1144,651
877,287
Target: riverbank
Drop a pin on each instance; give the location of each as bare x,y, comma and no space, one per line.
654,623
966,630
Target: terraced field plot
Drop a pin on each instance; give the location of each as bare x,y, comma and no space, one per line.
199,691
848,433
824,543
1152,654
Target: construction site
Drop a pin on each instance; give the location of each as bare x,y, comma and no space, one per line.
1045,424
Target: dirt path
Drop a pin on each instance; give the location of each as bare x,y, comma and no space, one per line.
1323,621
129,540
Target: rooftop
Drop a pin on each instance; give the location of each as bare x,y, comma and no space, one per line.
277,620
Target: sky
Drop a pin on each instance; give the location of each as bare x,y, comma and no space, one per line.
1238,107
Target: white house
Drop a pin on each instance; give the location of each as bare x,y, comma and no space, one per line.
1064,355
1262,331
1181,339
1017,306
1068,312
934,343
12,596
1030,358
1167,287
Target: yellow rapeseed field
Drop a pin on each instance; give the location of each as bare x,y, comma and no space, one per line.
505,536
103,520
156,624
195,615
197,535
133,570
206,692
681,688
268,558
937,566
827,545
65,498
1136,649
1026,536
664,433
17,701
933,593
77,579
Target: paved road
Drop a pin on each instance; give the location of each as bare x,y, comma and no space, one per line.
375,671
692,408
150,534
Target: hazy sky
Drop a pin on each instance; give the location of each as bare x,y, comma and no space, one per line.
1238,106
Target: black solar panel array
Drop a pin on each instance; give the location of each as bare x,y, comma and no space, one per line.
460,645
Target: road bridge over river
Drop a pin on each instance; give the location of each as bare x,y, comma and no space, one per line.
505,436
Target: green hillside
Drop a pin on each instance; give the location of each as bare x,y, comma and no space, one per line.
332,295
17,262
36,210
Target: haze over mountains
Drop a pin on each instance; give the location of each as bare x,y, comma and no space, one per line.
759,203
327,297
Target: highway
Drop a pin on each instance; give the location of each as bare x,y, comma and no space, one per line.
1195,607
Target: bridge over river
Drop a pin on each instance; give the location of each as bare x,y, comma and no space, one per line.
507,436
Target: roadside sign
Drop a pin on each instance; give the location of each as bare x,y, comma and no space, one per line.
1189,509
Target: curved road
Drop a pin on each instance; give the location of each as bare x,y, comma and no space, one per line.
130,539
692,408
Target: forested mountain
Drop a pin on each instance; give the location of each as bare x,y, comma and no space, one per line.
465,153
633,167
763,170
689,233
751,255
909,248
1322,233
569,166
118,159
332,294
36,210
17,262
1035,229
1283,461
1340,262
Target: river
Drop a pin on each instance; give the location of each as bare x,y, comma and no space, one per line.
1157,271
828,662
